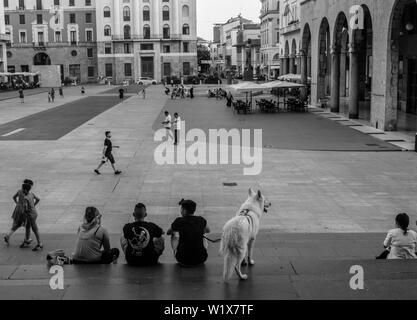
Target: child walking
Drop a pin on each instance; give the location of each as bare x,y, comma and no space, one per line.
31,201
19,215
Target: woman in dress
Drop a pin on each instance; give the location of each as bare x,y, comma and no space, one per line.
31,201
19,215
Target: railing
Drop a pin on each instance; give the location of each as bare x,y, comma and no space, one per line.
295,26
151,37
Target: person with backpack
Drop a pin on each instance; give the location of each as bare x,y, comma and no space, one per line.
93,243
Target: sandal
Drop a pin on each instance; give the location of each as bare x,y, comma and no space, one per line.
26,244
7,239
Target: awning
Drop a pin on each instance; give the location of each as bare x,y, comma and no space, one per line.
247,87
292,78
281,85
274,67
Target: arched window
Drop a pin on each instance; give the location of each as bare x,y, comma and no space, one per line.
146,31
107,12
165,13
126,31
185,29
185,11
107,31
146,14
126,14
166,32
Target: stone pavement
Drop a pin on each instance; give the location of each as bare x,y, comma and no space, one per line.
343,190
289,266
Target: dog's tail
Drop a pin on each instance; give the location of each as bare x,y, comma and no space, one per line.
230,263
231,247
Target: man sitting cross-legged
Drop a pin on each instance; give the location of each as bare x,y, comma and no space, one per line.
188,242
142,242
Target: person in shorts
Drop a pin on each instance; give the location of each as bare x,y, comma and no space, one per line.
168,125
177,127
142,242
108,155
188,236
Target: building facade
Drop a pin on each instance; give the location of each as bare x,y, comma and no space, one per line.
368,51
290,36
248,46
53,32
270,37
223,49
4,39
146,38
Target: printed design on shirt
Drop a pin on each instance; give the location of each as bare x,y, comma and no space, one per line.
140,241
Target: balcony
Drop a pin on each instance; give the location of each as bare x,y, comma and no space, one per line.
292,27
264,13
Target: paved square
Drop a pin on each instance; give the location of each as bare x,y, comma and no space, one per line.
335,193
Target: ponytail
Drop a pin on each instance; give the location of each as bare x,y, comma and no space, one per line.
403,221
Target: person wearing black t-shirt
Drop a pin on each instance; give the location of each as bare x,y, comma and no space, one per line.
188,242
108,155
142,242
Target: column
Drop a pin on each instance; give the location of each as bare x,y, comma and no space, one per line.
343,58
304,76
116,18
298,68
136,19
335,80
354,82
286,65
281,66
309,66
292,65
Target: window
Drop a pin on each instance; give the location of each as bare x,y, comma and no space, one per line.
72,18
73,37
90,52
41,40
72,3
126,31
109,70
107,48
185,29
126,14
88,3
58,37
166,32
146,14
127,49
56,2
107,31
146,46
24,68
22,19
128,69
39,19
185,47
165,13
22,36
6,3
21,4
147,32
90,72
6,19
89,35
88,18
167,69
38,4
166,49
107,13
186,68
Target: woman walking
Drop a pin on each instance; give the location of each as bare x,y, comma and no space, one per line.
21,95
19,215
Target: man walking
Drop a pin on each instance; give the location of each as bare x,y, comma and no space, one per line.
168,125
108,155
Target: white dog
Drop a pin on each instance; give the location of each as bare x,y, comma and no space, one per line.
239,235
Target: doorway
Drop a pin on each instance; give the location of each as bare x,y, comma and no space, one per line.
147,67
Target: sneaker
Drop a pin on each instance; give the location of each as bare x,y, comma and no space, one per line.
96,171
39,247
118,173
7,239
26,244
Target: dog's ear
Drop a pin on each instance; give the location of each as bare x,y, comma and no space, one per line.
251,193
260,194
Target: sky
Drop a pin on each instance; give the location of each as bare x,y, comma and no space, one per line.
210,12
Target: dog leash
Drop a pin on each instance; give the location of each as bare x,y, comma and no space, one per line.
212,241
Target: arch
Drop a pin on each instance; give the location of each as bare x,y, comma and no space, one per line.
341,26
294,47
401,103
127,32
126,13
287,48
185,29
41,59
106,12
185,11
107,31
324,63
146,31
